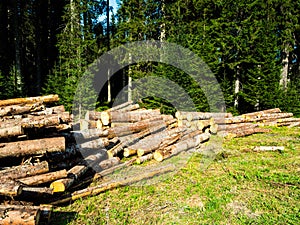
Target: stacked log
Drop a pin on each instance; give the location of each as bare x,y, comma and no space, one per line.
44,158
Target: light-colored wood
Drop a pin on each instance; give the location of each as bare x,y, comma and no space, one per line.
108,163
91,191
268,148
21,109
76,172
21,171
32,147
16,215
13,131
43,178
10,187
144,158
30,100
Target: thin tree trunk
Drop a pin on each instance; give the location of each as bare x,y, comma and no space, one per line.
285,69
237,88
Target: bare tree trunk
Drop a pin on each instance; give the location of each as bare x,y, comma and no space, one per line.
285,70
237,87
17,71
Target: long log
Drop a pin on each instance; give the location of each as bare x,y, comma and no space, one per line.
32,147
91,191
268,148
144,158
13,131
260,113
44,178
10,187
250,131
122,130
45,211
127,141
21,171
76,172
108,163
30,100
12,215
21,109
106,116
184,145
181,115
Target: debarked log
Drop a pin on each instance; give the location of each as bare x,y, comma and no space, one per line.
32,147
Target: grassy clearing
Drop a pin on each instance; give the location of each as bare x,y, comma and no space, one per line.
239,187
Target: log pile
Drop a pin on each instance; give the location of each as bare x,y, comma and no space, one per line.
44,160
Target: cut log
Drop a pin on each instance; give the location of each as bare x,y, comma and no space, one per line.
16,215
184,145
189,116
144,158
99,143
127,141
32,147
30,100
43,178
37,191
260,113
10,187
13,131
238,126
243,133
76,172
129,152
268,148
91,191
108,163
21,171
21,109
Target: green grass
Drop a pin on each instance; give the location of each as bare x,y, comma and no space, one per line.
239,187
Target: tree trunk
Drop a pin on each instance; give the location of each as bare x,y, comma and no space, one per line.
285,69
30,100
10,187
43,178
16,215
32,147
21,171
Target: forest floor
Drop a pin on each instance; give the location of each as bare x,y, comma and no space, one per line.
239,187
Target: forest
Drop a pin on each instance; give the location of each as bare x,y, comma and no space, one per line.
252,48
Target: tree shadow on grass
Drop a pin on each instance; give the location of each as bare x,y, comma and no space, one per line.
62,218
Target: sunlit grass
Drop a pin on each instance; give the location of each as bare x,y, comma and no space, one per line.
239,187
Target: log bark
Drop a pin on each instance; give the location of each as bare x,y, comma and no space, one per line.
106,116
16,215
32,147
45,99
144,158
21,171
268,148
37,191
14,131
10,187
238,126
43,178
260,113
91,191
99,143
127,141
250,131
189,116
108,163
184,145
21,109
75,173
